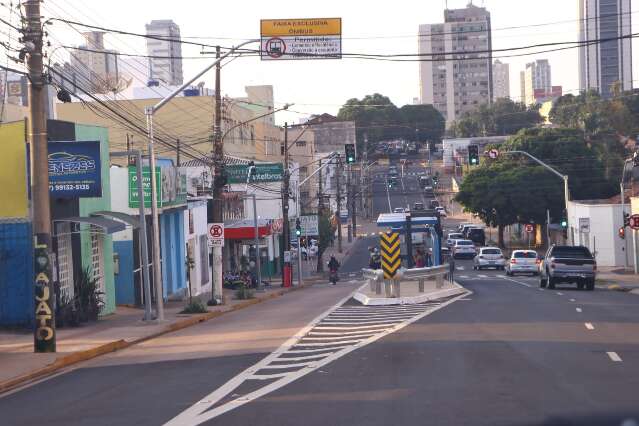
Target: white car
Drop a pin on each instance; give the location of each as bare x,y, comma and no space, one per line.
441,211
450,239
399,210
463,248
489,257
523,261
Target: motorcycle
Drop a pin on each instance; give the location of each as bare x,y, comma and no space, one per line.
333,277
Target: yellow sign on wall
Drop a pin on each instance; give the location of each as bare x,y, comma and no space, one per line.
13,171
300,27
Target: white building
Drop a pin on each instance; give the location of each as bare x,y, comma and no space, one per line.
501,80
603,64
456,83
93,67
166,65
537,77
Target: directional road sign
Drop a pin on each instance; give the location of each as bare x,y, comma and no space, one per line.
391,260
634,222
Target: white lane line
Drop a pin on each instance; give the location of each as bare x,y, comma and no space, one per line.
351,318
482,276
292,365
578,309
464,277
589,326
341,333
327,351
359,327
337,339
614,356
517,282
572,300
313,345
303,358
466,300
559,294
460,268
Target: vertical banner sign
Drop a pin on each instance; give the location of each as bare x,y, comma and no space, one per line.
391,260
75,169
312,38
44,331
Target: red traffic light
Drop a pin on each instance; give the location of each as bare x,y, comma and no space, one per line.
622,233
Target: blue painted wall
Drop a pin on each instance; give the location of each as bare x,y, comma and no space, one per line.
16,271
173,251
124,282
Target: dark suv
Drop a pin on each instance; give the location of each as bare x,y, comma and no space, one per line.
477,236
568,264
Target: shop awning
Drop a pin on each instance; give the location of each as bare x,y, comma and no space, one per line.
134,221
107,225
245,229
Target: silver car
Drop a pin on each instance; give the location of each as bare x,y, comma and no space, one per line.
523,261
489,257
463,248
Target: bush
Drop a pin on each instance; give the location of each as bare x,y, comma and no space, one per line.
88,296
243,292
194,307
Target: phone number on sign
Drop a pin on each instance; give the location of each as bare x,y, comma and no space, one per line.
69,187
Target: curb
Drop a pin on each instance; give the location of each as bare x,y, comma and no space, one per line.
85,355
382,301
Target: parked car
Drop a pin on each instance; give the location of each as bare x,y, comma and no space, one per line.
419,206
450,239
489,257
476,235
523,261
399,210
568,264
441,211
463,248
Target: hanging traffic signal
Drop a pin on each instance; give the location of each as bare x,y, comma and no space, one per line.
564,223
298,228
626,219
473,155
349,149
622,233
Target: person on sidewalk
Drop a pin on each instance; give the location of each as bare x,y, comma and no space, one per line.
420,260
333,267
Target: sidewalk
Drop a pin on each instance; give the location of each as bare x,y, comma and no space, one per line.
615,278
18,363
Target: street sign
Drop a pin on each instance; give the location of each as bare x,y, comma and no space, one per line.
584,225
265,172
287,256
317,38
634,222
391,259
529,228
493,153
216,234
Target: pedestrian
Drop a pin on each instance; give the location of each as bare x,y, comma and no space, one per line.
451,267
420,260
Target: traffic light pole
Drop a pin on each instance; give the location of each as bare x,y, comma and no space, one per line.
339,203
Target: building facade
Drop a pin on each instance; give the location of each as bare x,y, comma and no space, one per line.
166,50
501,80
454,82
601,65
92,67
537,77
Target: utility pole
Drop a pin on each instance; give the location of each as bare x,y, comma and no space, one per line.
362,182
44,337
339,204
285,193
349,203
218,180
354,208
178,152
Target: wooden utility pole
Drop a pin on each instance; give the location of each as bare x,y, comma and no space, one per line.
339,203
218,180
285,193
44,339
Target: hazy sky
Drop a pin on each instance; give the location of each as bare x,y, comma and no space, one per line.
370,26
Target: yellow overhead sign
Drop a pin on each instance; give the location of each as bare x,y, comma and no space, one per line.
301,27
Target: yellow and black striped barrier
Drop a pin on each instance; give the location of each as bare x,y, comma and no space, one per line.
391,260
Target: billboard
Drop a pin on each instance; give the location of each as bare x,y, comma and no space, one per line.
13,171
315,38
74,169
270,172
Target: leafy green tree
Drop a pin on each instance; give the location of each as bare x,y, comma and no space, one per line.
503,117
422,123
372,115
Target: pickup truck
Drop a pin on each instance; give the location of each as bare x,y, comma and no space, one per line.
568,264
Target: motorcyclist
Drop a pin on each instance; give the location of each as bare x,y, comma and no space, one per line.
333,266
375,261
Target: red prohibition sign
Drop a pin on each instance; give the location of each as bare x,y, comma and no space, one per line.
634,222
275,47
216,231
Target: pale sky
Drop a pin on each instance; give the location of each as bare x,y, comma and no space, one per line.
371,26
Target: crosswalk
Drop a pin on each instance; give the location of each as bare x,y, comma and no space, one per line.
343,329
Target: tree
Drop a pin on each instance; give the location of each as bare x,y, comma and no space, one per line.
372,116
422,123
501,118
326,236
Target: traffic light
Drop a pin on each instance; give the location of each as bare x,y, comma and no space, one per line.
298,228
622,233
626,219
349,149
473,155
635,159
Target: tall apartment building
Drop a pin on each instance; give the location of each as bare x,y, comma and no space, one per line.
460,77
92,67
167,65
522,87
537,77
501,80
603,64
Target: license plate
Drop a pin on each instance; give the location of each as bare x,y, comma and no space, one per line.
491,262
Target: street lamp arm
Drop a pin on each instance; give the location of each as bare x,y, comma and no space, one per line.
177,91
283,108
537,160
317,171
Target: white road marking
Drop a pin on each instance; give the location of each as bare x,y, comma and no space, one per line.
559,294
572,300
203,411
303,358
516,282
578,309
589,326
460,268
338,338
482,276
614,356
292,365
464,276
465,300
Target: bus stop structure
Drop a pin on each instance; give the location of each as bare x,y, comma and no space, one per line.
406,224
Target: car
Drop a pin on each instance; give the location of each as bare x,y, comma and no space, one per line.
476,235
450,238
523,261
399,210
466,227
460,227
441,211
463,248
418,206
434,204
489,257
568,264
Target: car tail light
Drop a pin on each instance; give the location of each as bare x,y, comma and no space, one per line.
513,260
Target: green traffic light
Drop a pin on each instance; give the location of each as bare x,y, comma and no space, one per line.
564,223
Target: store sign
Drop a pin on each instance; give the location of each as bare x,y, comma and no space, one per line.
271,172
584,225
317,38
170,186
74,169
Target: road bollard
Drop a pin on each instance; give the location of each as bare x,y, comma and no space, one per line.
421,285
388,289
440,280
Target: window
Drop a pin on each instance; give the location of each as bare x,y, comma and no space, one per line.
303,170
300,143
97,257
65,261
